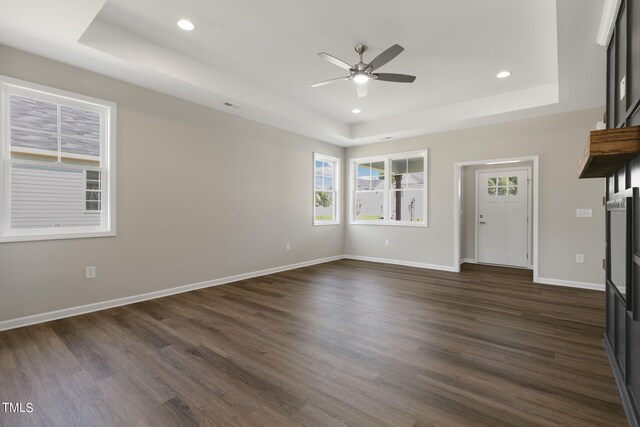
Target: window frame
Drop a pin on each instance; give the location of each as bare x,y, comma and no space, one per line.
108,112
387,159
336,188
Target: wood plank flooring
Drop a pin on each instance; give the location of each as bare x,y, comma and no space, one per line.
343,343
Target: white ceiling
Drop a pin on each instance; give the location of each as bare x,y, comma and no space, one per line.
261,56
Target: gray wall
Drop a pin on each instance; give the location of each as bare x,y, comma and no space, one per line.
192,182
468,205
201,195
558,140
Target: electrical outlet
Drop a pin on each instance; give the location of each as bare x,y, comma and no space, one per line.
580,258
90,273
386,243
584,213
288,247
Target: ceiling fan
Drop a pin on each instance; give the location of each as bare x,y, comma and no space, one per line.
361,72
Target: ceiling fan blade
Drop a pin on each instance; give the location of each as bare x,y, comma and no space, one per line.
392,77
326,82
362,90
386,56
335,61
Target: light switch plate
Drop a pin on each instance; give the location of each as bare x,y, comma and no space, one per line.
584,213
623,87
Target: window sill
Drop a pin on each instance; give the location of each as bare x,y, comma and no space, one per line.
389,223
321,223
61,236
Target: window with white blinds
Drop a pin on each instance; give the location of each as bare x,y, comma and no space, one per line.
57,168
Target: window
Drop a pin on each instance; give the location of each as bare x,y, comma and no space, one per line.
389,189
326,177
503,186
370,191
57,171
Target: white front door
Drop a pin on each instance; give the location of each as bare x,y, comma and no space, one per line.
502,223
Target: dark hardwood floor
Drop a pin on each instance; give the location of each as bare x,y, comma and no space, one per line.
343,343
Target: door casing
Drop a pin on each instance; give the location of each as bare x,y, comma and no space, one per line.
457,180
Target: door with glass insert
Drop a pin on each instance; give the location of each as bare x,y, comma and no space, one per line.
502,223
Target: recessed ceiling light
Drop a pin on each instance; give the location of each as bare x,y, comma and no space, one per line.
503,74
186,25
356,111
360,78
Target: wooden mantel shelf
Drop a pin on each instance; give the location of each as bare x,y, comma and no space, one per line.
608,150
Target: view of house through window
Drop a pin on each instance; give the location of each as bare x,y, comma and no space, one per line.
407,189
56,161
400,198
93,191
370,191
326,185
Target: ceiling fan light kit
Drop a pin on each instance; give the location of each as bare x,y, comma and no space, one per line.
361,78
362,72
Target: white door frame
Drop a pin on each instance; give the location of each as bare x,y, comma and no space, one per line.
529,209
457,203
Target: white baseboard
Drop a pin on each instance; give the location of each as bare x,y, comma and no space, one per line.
89,308
571,284
401,262
469,261
540,280
83,309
